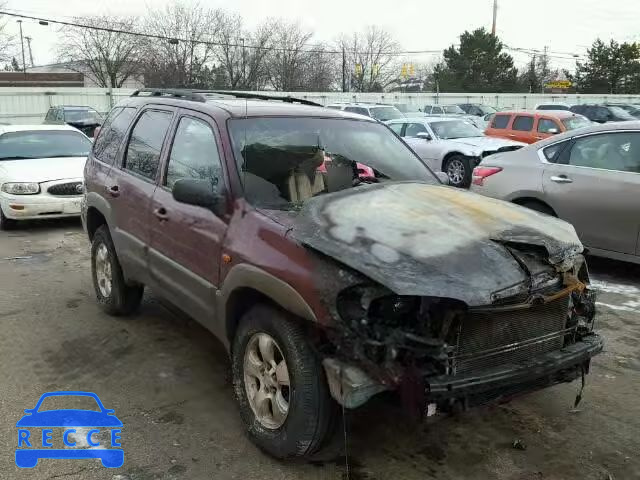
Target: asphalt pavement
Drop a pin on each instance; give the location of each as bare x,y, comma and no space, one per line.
168,381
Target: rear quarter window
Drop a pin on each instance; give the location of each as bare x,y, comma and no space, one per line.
500,121
107,145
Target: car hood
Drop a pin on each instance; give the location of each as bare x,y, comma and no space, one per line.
486,143
41,169
69,418
428,240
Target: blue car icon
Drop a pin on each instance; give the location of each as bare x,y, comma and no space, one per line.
30,450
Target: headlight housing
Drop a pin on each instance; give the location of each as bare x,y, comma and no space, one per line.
21,188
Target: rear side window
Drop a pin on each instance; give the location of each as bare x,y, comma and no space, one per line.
436,110
546,124
106,146
501,121
145,144
51,115
523,124
194,154
552,152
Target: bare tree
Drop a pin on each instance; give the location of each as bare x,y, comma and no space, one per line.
321,71
242,54
187,59
7,41
286,62
371,59
110,58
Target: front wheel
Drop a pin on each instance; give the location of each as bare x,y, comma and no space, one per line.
458,168
280,385
6,223
112,292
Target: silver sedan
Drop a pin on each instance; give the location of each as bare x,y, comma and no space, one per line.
589,177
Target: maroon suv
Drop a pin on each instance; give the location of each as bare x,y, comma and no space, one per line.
326,286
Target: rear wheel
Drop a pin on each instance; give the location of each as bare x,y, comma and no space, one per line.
280,385
113,294
458,168
539,207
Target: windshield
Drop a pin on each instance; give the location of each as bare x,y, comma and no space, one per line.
621,113
455,129
487,109
453,109
385,113
552,107
82,116
632,109
43,144
576,122
286,161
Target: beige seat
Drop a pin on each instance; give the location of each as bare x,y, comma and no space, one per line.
301,188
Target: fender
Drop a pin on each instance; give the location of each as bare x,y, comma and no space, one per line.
101,204
248,276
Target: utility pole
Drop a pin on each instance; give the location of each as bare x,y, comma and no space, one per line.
344,68
28,39
243,66
495,17
24,65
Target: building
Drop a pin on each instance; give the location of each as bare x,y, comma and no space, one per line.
135,81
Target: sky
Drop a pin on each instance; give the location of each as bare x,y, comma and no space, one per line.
566,27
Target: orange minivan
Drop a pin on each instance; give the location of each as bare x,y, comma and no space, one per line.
529,127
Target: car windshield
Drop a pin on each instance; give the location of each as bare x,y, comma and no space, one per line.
69,402
552,106
286,161
621,113
455,129
453,109
576,122
385,113
82,116
632,109
43,144
486,109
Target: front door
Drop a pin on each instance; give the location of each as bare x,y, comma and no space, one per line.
595,185
131,187
186,240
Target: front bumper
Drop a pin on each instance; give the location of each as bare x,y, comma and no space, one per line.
509,380
41,205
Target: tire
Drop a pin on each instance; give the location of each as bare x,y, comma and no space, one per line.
539,207
459,170
6,223
118,298
310,421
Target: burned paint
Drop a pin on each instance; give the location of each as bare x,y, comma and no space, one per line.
426,240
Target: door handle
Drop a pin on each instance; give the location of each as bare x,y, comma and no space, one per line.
561,179
114,190
161,214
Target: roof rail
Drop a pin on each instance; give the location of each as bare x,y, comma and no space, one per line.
182,94
259,96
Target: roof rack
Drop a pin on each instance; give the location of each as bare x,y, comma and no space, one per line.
172,93
204,95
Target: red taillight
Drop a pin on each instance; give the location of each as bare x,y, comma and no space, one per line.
480,173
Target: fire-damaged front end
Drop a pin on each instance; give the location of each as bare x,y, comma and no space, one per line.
451,298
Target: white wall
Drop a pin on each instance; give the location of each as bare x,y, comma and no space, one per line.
29,105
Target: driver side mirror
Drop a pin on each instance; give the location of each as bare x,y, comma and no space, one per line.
424,136
200,193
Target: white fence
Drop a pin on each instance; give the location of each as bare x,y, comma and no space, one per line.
29,105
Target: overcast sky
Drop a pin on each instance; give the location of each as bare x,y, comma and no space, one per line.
565,26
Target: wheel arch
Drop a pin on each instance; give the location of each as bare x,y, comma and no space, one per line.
446,158
244,286
523,200
98,213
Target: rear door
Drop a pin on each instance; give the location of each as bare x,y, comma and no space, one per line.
186,240
132,185
522,129
499,126
595,185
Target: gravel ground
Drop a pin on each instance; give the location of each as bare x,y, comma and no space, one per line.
168,381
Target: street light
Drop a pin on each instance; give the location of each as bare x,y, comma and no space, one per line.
43,22
24,65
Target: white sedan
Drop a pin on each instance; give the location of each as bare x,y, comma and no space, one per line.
450,144
41,172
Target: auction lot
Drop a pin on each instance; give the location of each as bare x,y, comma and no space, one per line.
168,380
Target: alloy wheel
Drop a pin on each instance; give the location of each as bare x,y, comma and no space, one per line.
103,270
456,171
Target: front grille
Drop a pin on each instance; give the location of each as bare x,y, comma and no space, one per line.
490,339
68,189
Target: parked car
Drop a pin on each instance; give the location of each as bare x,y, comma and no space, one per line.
319,301
40,172
374,110
85,119
530,127
450,145
589,177
408,110
477,109
634,110
602,113
552,106
453,111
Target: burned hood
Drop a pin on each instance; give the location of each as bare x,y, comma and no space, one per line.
429,240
